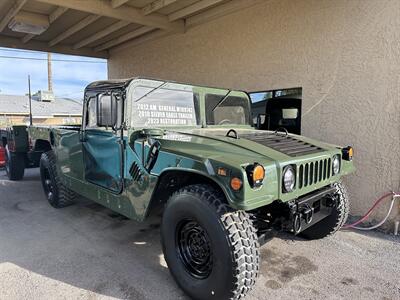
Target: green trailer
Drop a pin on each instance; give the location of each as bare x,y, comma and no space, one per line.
223,186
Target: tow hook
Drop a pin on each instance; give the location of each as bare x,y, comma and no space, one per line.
296,223
307,213
304,212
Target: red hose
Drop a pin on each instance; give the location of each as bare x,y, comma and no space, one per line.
365,217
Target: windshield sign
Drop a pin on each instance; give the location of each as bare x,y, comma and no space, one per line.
161,104
163,107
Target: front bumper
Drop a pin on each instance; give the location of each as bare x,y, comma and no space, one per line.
311,209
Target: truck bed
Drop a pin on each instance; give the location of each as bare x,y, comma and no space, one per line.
43,132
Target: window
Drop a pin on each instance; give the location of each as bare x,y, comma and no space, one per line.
159,104
260,96
290,113
265,95
167,105
111,112
91,121
277,108
105,113
120,109
228,111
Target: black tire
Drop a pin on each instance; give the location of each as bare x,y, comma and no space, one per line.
56,192
218,258
335,221
15,165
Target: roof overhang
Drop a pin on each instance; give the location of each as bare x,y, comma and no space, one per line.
94,28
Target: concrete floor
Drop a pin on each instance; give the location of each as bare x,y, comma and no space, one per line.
87,252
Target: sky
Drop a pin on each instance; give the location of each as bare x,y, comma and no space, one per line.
69,78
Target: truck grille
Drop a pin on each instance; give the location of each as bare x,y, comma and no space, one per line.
314,172
283,143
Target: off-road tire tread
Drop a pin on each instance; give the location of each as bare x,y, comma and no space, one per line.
319,230
345,205
66,197
241,233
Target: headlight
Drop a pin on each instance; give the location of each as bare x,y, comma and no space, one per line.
335,165
289,179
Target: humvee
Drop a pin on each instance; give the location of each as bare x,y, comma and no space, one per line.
222,185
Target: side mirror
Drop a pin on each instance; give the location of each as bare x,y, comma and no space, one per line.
107,112
260,120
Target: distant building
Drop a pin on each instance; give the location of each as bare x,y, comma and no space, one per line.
14,109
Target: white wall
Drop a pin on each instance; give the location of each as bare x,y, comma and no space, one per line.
345,54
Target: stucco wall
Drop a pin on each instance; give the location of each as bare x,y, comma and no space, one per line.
345,55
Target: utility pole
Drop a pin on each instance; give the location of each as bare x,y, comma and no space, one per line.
49,73
30,100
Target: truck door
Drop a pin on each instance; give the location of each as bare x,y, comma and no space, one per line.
101,141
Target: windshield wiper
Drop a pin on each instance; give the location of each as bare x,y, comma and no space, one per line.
153,90
222,99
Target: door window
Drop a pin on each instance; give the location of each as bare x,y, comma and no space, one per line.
105,110
91,121
109,113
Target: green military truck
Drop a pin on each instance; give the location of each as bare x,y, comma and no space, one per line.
148,144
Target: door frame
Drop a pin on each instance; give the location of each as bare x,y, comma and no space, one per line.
118,133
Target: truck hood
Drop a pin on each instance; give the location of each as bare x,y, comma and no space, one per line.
249,146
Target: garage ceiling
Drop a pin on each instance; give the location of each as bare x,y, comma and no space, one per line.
96,27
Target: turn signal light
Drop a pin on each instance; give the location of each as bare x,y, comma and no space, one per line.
236,184
347,153
351,152
255,174
258,173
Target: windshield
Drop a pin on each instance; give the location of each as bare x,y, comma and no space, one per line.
227,110
160,104
168,104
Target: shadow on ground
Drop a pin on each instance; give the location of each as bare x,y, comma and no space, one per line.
86,251
85,245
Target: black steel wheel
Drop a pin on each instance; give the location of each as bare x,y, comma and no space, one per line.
194,248
212,250
55,191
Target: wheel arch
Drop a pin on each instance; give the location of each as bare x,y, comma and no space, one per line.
42,145
173,179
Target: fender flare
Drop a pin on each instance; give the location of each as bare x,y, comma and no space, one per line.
207,177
